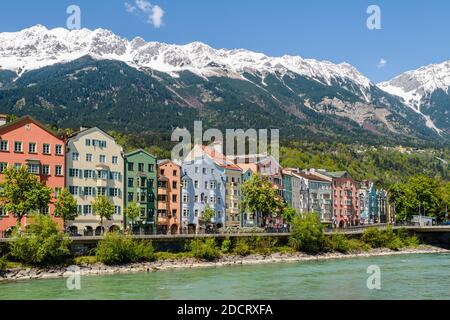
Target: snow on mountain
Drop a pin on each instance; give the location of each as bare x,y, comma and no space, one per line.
37,47
415,87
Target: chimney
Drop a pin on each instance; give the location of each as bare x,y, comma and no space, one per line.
2,119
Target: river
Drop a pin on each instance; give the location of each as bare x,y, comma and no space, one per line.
418,276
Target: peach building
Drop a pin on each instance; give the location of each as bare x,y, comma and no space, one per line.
27,142
169,197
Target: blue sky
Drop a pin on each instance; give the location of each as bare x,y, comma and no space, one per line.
413,33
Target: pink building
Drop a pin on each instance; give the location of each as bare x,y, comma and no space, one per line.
346,202
26,142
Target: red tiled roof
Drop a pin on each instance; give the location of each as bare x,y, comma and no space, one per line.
220,159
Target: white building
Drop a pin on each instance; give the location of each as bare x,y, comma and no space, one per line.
94,167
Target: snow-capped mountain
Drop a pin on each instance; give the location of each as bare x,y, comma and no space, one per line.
37,47
425,90
90,77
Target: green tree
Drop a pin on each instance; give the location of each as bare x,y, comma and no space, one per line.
102,207
41,243
307,234
207,215
66,207
22,193
260,196
133,213
289,214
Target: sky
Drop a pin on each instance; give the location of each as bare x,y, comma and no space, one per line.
411,34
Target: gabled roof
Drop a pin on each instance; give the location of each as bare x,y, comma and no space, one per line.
25,120
87,130
165,161
219,159
129,154
311,177
337,174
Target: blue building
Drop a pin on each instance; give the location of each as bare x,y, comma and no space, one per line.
203,185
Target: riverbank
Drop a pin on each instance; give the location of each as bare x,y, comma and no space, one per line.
19,274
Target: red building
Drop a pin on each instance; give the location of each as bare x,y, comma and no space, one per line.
346,204
26,142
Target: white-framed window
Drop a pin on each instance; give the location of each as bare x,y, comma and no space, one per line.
18,146
88,142
74,190
4,146
102,174
88,191
3,166
32,147
33,168
58,150
75,156
58,171
88,157
46,170
117,210
87,209
101,191
74,173
196,170
88,174
46,148
115,159
114,192
102,158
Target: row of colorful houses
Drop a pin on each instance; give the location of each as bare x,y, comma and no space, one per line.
172,195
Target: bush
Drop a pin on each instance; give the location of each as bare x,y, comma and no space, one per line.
242,248
408,241
205,250
3,265
121,249
226,246
373,237
263,245
41,243
163,256
389,239
338,242
85,260
307,234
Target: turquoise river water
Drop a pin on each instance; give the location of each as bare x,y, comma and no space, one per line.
423,276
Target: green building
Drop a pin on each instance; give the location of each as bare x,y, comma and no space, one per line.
141,187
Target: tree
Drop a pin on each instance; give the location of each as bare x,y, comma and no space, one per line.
41,243
207,215
260,196
133,212
22,193
102,207
307,234
66,207
289,214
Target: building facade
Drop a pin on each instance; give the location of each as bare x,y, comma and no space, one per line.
204,184
95,167
141,187
27,142
169,197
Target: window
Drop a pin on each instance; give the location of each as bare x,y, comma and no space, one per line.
196,184
46,170
117,210
33,168
102,158
204,170
3,166
151,167
73,190
186,198
101,191
46,148
196,170
141,167
75,156
3,145
32,147
162,172
113,192
87,209
151,183
196,212
58,150
174,198
88,157
102,174
151,197
88,191
58,170
115,176
130,182
74,173
130,166
88,142
174,173
18,147
88,174
44,210
130,196
115,160
206,185
174,185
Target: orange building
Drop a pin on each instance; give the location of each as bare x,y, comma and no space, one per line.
169,197
27,142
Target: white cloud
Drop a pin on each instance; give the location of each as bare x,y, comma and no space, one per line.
153,13
382,63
